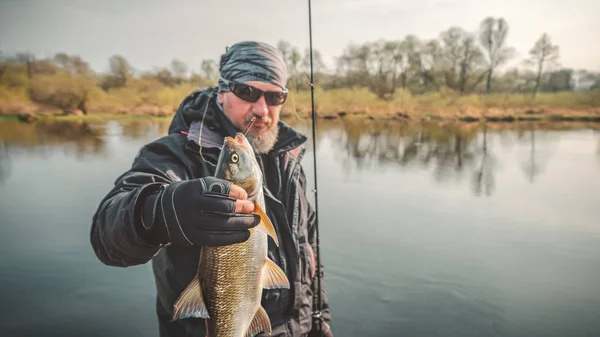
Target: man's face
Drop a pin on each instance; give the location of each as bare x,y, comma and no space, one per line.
263,133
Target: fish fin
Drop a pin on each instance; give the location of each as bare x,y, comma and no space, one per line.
265,224
190,303
273,277
260,323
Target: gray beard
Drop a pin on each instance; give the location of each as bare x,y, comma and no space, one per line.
264,142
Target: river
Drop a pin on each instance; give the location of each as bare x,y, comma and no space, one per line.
426,229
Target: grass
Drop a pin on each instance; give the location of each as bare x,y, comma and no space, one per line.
146,101
447,105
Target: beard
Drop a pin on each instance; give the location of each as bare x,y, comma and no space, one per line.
264,142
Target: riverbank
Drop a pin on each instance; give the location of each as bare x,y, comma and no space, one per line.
350,104
89,134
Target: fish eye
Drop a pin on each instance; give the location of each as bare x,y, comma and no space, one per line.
235,157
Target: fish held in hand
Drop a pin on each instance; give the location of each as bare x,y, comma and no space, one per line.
227,289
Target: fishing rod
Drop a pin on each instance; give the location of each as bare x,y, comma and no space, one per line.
317,314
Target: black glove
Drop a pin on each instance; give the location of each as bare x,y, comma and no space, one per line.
325,330
196,212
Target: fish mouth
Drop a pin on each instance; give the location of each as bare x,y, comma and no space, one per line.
239,137
238,140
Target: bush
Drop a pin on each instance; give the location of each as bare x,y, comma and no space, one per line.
63,91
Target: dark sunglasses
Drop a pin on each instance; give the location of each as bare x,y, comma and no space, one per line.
252,94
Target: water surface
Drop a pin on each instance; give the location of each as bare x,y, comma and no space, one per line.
426,229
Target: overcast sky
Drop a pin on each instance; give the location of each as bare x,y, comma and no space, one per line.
151,33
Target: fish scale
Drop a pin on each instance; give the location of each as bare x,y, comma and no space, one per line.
227,289
230,282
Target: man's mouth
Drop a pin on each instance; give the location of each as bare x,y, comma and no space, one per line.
259,123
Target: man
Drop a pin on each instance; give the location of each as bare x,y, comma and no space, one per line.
169,204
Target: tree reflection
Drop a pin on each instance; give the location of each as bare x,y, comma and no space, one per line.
598,147
483,176
537,158
73,137
136,129
449,151
4,161
531,168
163,127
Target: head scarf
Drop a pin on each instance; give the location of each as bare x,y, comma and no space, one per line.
252,61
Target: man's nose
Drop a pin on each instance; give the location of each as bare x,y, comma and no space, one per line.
260,107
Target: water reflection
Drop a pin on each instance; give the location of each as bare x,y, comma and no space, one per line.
530,167
145,130
78,139
448,151
483,176
598,147
4,161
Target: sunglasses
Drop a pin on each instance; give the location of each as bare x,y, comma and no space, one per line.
251,94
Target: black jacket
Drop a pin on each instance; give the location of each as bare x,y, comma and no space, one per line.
116,226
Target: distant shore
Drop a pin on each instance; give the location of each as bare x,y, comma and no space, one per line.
360,104
470,115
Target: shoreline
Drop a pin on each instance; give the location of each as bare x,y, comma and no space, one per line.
472,115
338,104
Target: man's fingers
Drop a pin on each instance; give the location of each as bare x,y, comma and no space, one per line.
244,206
241,205
238,193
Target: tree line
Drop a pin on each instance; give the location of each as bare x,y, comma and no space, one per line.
463,61
459,60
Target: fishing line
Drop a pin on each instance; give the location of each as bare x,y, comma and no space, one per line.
316,314
202,128
200,135
294,104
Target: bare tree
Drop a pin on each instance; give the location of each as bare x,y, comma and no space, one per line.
293,61
165,76
2,64
542,53
120,72
179,70
461,58
318,67
424,58
28,60
284,48
208,68
492,36
71,64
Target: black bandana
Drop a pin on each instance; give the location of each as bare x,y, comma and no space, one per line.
252,61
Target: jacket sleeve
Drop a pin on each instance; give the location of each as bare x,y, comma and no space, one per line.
312,239
116,232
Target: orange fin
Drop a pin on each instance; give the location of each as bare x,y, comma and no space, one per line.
265,224
273,277
190,303
260,323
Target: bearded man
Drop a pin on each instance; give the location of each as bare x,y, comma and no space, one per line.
169,204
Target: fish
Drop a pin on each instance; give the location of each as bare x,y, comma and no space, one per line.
228,285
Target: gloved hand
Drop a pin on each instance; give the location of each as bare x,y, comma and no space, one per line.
199,212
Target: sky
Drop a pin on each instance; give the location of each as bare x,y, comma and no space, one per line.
152,33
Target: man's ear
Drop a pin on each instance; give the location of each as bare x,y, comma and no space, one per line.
220,97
